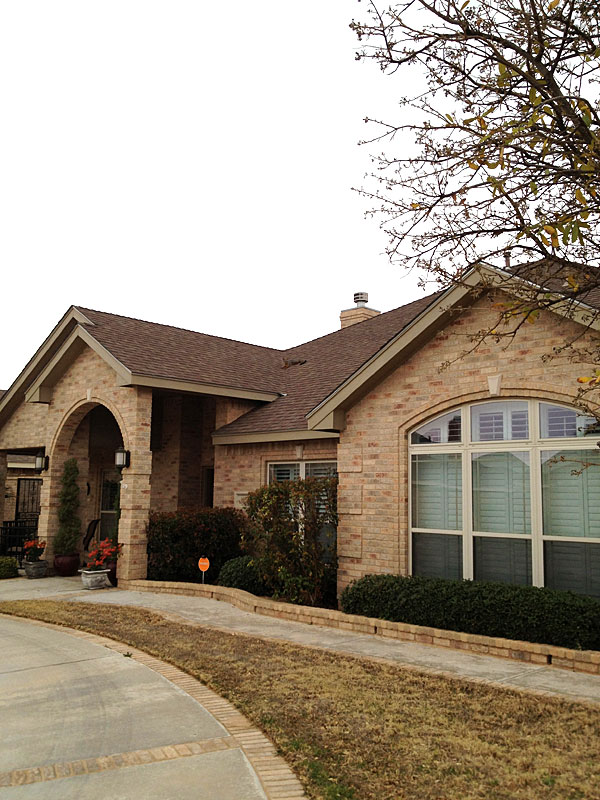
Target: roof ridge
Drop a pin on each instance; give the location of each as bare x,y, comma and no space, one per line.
83,309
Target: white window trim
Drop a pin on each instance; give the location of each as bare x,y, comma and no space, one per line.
534,445
302,465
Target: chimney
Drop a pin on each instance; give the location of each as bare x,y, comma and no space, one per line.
358,314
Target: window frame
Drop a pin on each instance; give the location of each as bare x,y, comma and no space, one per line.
534,445
301,464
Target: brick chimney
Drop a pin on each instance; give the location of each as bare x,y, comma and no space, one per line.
358,314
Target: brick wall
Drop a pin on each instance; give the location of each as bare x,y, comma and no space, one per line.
243,467
373,450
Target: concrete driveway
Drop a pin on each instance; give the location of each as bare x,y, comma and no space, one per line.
111,726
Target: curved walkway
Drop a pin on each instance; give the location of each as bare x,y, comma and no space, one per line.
84,716
223,616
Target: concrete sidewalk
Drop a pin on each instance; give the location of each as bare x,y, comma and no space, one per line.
221,615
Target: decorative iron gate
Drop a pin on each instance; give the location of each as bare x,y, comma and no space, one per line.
28,500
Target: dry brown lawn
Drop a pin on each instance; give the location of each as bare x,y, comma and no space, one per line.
354,728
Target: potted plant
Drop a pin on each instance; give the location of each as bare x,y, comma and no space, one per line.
66,541
96,571
35,565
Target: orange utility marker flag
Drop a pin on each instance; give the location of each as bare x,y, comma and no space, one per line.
203,565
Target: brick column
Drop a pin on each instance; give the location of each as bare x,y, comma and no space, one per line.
135,492
2,484
48,520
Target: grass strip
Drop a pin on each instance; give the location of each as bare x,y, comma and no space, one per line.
353,728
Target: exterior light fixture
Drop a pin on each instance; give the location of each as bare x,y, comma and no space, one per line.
121,458
42,462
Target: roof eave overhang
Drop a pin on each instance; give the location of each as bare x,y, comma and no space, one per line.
217,390
331,411
272,436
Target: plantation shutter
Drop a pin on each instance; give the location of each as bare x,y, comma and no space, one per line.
437,555
325,469
437,491
501,493
571,503
573,566
283,472
505,560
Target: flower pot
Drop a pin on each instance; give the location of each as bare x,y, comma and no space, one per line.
36,569
95,579
65,566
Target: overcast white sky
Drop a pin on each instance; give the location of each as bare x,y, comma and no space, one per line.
188,163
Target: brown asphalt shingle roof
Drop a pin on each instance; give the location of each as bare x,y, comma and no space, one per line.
162,351
150,349
330,360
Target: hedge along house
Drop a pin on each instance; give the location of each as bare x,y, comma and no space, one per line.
454,474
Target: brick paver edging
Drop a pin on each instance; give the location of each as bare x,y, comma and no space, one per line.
543,654
276,777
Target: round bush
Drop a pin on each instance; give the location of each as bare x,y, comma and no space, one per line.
8,567
242,573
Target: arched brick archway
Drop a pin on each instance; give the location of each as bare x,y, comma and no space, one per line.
90,431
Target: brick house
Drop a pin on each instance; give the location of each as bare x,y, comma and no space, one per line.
459,473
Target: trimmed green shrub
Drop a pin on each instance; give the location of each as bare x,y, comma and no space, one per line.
292,534
243,573
68,536
525,613
8,567
177,540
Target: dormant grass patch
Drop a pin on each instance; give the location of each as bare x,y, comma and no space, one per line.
354,728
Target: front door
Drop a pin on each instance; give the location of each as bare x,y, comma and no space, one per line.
109,504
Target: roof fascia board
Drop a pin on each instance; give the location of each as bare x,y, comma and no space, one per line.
40,390
321,415
73,314
197,388
275,436
576,310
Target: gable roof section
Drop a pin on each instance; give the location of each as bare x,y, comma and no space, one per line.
148,354
325,364
445,305
163,352
13,396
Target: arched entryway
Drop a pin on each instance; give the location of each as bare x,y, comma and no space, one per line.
90,433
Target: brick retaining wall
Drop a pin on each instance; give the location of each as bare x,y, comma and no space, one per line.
543,654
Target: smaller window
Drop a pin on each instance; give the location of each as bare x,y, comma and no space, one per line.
496,422
302,469
441,429
557,422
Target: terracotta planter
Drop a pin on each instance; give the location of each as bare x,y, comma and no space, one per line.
36,569
95,579
66,566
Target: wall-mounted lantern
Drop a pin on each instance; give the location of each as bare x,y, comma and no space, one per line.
122,457
42,462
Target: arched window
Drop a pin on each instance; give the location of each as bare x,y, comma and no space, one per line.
507,491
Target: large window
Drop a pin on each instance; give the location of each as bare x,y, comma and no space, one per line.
508,491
